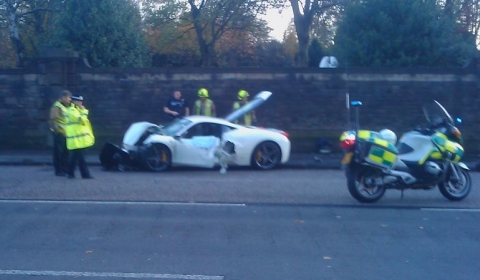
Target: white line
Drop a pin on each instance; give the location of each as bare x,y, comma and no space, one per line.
451,209
110,274
123,203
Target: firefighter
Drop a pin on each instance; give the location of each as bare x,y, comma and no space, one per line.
204,106
248,118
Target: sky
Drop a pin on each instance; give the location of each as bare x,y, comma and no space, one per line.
279,22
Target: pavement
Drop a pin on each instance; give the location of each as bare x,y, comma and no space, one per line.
297,160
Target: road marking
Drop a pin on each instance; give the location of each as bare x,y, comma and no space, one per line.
110,274
451,209
80,202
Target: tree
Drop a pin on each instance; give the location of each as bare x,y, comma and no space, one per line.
304,13
315,53
215,24
14,14
272,54
466,13
213,18
400,33
324,26
6,51
107,32
290,43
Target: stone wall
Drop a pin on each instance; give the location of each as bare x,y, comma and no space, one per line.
308,103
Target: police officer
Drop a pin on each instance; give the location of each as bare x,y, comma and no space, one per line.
204,106
79,135
176,106
57,126
247,119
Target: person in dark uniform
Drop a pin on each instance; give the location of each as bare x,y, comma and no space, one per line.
176,106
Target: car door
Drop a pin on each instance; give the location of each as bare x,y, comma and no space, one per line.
197,145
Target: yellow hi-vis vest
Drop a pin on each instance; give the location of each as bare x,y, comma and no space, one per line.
57,117
205,110
78,129
247,118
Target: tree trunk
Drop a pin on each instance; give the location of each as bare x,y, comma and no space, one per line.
303,21
202,43
15,37
303,36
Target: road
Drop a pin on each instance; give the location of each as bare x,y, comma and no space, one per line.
197,224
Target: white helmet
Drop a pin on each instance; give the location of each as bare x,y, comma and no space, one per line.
389,136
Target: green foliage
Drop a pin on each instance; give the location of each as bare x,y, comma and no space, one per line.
7,52
315,53
400,33
107,32
216,33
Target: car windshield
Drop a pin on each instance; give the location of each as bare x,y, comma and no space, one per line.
436,114
172,128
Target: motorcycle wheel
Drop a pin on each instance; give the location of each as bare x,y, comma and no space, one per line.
456,190
358,187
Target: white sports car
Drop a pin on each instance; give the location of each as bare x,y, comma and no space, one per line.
199,141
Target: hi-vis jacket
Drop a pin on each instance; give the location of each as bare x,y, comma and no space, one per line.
58,113
78,129
247,118
205,110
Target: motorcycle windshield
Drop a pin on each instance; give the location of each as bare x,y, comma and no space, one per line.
436,114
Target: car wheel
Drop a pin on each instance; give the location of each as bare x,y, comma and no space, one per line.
156,157
266,155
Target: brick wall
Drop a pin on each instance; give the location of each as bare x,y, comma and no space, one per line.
308,103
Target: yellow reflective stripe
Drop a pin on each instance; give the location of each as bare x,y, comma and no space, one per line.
390,157
381,156
78,136
436,155
364,134
450,146
72,123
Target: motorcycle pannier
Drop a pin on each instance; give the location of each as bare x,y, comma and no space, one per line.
378,152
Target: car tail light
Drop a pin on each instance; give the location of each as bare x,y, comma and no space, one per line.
284,133
347,141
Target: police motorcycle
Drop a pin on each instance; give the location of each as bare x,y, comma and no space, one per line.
422,159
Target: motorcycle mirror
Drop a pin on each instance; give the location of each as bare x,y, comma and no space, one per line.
356,103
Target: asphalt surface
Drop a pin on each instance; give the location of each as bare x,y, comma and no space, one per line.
301,160
296,161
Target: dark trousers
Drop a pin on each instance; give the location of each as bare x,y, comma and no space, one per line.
60,153
74,157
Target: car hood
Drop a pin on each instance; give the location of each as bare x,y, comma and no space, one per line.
258,100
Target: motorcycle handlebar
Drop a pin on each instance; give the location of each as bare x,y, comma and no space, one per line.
429,130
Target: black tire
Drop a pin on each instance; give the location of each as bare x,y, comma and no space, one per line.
267,155
109,156
356,184
156,157
455,191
